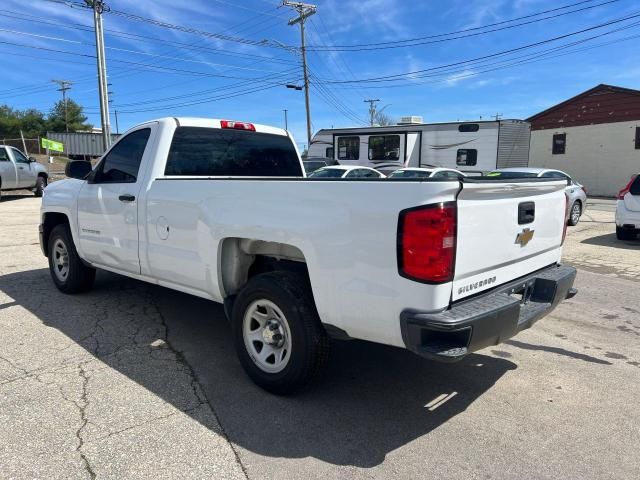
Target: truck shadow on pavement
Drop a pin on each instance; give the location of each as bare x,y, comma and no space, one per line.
373,399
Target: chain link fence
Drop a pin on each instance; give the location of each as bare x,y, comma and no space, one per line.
32,145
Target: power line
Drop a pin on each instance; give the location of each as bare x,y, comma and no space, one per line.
529,58
130,36
438,38
387,78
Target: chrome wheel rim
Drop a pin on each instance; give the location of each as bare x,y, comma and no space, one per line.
267,336
60,260
575,213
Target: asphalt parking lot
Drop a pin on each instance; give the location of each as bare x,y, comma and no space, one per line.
137,381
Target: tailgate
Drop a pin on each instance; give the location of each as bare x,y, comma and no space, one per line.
506,229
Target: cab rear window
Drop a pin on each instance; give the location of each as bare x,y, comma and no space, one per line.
199,151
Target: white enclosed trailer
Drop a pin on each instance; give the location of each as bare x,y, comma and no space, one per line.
468,146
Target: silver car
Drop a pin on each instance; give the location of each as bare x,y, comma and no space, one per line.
575,191
18,172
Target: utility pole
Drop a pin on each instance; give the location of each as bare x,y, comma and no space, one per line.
117,128
64,86
286,121
372,110
98,7
497,116
304,10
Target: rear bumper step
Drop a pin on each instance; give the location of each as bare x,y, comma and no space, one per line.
488,319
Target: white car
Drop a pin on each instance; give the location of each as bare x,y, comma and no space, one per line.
222,210
427,172
18,172
345,171
628,210
576,193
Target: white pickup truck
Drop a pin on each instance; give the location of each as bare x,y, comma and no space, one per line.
222,210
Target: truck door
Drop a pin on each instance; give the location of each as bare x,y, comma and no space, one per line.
108,204
8,171
26,172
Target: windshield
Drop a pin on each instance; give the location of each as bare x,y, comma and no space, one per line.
409,174
512,174
327,173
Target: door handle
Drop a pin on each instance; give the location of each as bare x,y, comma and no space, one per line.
21,168
126,198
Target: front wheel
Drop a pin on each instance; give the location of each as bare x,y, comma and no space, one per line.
574,214
41,184
68,272
278,336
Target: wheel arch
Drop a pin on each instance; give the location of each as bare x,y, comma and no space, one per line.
240,259
50,220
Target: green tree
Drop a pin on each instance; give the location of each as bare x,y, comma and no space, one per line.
30,121
9,122
74,117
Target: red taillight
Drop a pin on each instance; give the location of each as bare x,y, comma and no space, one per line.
566,217
626,189
427,242
237,125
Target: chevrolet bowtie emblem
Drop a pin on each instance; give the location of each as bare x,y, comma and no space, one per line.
524,237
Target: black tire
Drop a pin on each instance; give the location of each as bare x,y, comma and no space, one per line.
573,221
625,234
41,183
291,293
79,278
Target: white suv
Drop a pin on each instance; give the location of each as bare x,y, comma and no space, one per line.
628,210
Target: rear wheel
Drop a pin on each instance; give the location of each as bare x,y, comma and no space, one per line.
41,184
575,213
277,333
68,272
625,234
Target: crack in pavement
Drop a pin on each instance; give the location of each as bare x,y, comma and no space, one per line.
196,385
84,399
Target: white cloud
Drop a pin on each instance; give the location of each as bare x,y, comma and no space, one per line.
454,79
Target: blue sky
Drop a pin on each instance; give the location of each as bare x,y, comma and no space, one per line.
156,71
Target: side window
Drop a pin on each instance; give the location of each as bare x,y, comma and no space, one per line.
635,186
555,175
384,147
348,148
122,163
448,174
4,156
19,156
559,144
467,157
328,153
354,174
369,174
468,127
637,138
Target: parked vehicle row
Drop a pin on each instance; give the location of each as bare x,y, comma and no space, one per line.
222,210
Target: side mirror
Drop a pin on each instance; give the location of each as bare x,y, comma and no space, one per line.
77,169
32,160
